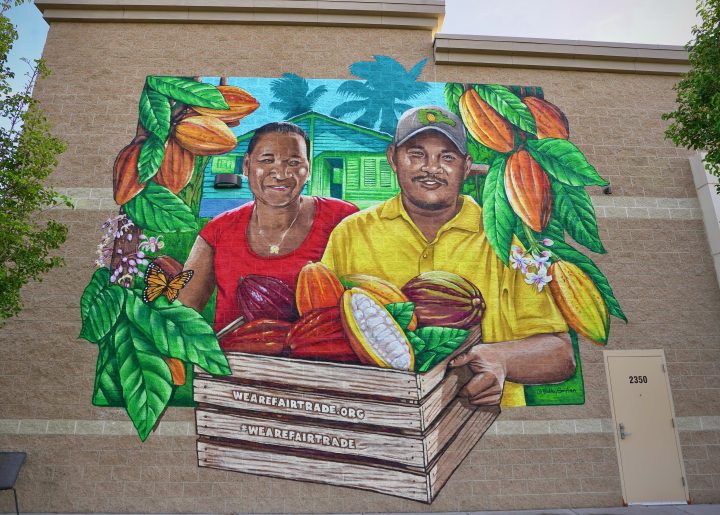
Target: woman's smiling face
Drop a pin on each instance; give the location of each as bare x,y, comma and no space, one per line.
278,168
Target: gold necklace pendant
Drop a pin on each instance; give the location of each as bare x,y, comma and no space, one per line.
274,249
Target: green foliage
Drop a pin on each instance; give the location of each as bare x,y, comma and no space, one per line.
433,344
100,306
696,121
150,158
402,312
453,92
508,105
498,216
188,91
155,113
573,207
564,162
157,209
28,155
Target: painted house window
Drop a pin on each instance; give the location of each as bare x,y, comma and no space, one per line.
377,174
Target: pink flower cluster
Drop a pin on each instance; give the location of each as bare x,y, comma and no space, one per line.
117,228
533,265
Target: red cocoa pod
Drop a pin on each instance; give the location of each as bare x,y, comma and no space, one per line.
485,124
177,167
317,287
170,266
126,182
550,121
528,190
204,135
445,299
261,296
241,104
261,336
319,334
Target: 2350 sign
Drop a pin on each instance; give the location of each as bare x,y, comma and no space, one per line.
638,379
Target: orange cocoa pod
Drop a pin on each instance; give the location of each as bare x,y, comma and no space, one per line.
177,370
579,301
549,119
204,135
126,182
485,124
261,336
241,104
317,287
177,167
528,190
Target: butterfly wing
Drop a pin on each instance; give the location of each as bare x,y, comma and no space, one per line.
155,283
176,284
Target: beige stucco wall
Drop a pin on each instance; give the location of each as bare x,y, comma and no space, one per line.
83,458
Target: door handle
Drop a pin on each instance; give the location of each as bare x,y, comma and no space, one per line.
623,434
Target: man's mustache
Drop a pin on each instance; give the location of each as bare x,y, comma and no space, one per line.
435,178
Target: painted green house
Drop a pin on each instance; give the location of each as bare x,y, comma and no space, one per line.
348,162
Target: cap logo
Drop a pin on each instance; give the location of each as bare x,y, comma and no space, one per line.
433,116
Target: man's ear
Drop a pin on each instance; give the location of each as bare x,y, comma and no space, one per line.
390,154
246,165
468,165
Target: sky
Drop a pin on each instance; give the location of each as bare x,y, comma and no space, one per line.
661,22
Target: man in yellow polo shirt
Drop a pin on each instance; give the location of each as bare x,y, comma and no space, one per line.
430,226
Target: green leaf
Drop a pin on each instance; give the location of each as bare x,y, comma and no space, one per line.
418,344
150,158
178,331
155,113
427,361
568,253
188,92
144,375
508,105
573,207
100,306
564,162
157,209
453,92
498,216
436,337
402,312
480,153
107,375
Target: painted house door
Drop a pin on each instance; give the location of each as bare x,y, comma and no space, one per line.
651,465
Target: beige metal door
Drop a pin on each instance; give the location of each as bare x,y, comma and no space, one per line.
651,466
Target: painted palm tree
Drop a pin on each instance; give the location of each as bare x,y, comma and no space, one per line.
383,95
293,95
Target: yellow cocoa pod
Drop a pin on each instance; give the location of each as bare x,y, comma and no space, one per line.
528,190
579,301
549,119
241,104
177,167
385,292
126,182
204,135
485,124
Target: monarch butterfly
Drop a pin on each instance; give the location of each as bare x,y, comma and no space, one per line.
157,283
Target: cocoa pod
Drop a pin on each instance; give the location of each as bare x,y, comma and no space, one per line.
528,190
550,121
241,104
261,336
319,334
485,124
261,296
126,182
177,370
204,135
382,290
177,167
317,287
445,299
170,266
579,301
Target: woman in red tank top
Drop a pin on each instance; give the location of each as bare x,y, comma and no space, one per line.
276,235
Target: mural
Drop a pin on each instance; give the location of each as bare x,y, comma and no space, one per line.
346,279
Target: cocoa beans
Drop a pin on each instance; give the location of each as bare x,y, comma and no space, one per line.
204,135
549,119
317,287
241,104
485,124
579,301
528,190
126,183
177,167
445,299
261,336
385,292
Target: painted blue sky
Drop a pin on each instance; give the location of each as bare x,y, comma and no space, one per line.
259,87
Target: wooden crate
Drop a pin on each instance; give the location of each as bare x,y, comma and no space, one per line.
388,431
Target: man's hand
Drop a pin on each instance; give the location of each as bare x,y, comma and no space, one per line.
486,386
539,359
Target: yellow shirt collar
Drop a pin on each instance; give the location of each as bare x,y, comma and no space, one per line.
467,219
